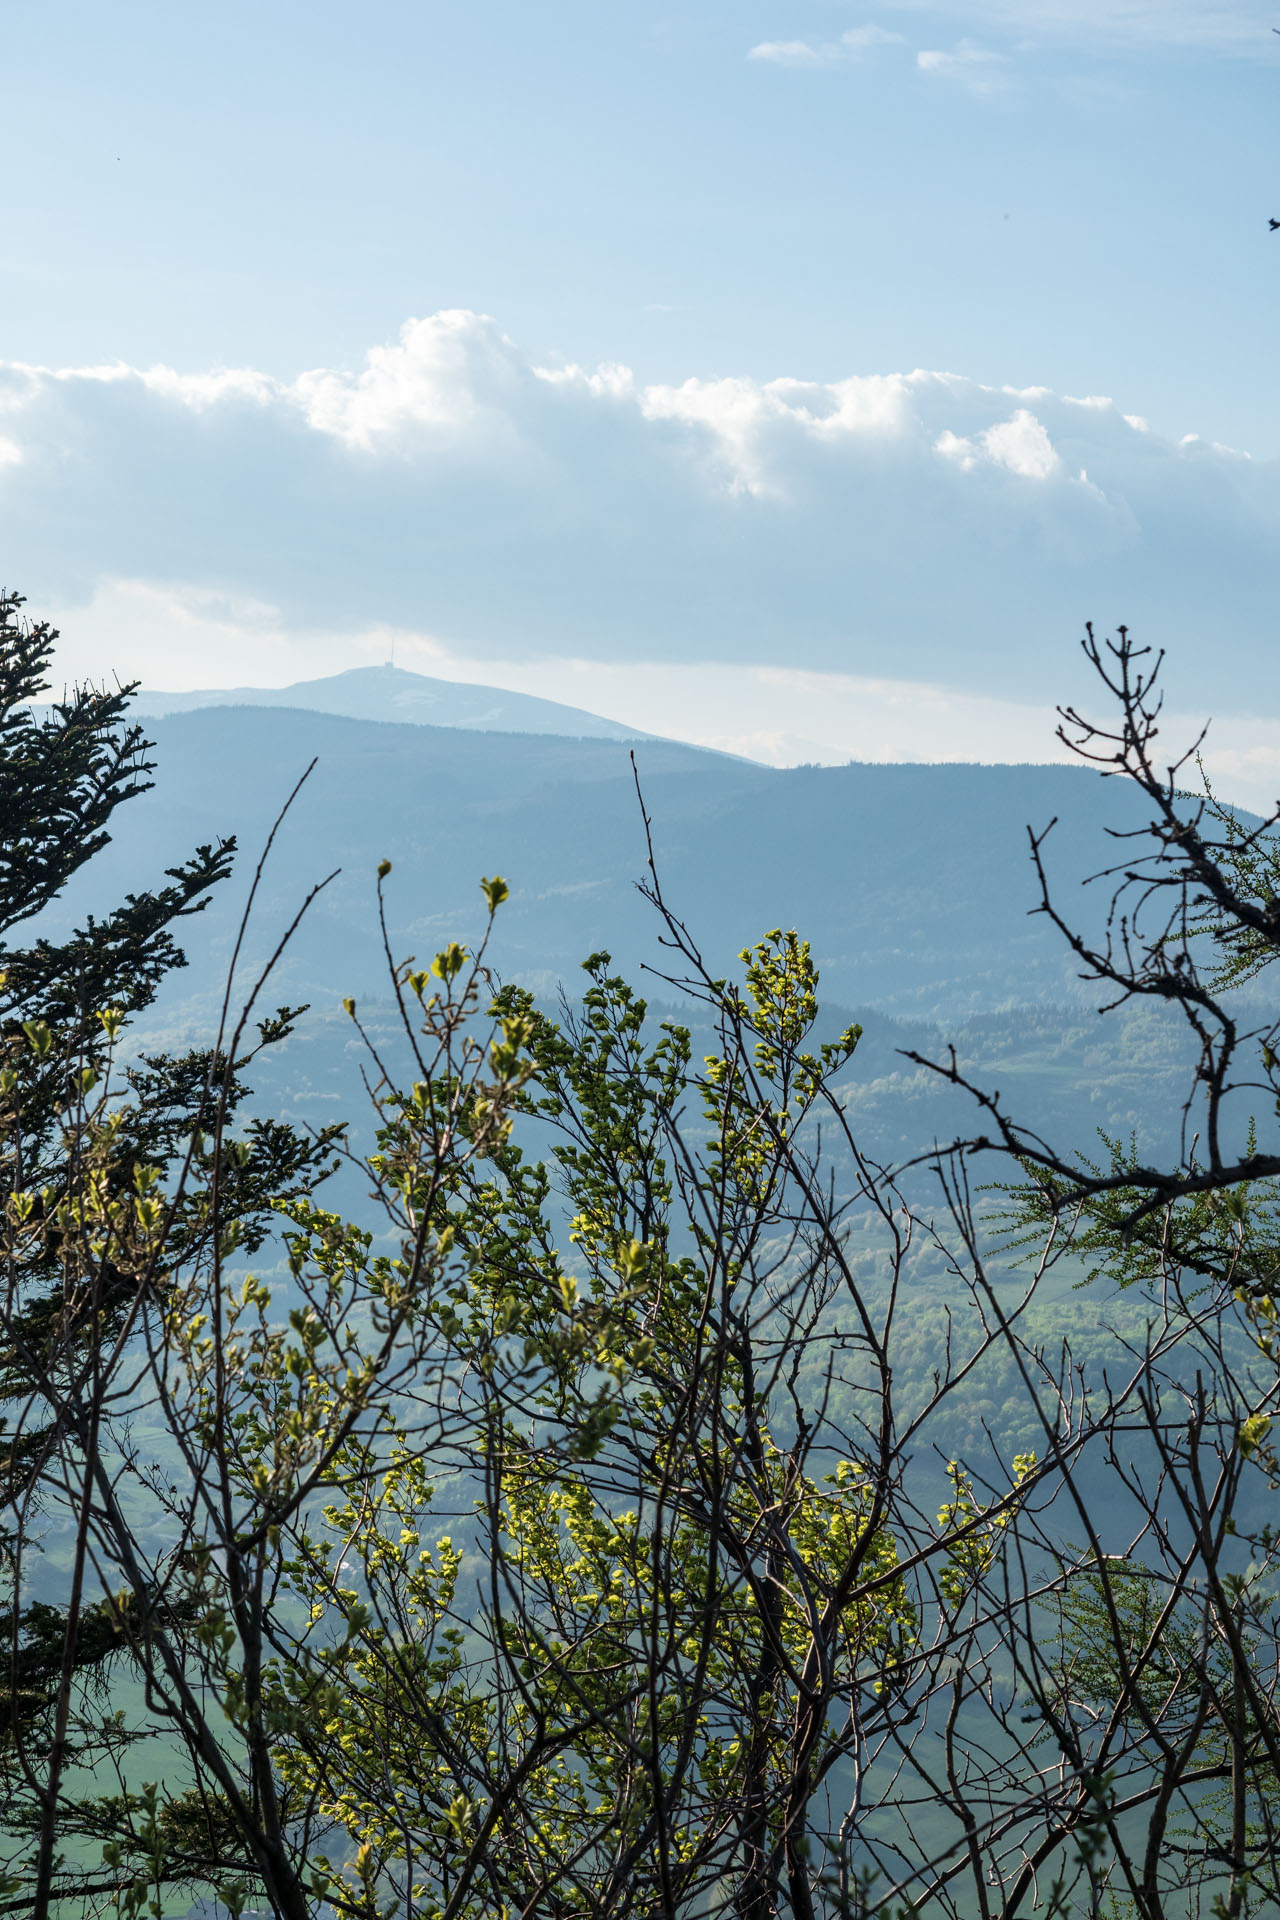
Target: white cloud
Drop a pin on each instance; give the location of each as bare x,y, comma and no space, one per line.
795,53
200,391
858,39
824,53
1019,444
916,527
445,376
970,66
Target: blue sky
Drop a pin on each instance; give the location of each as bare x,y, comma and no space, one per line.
1069,197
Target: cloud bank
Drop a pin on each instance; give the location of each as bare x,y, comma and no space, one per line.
904,526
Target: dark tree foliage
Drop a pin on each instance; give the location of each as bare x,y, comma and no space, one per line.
64,769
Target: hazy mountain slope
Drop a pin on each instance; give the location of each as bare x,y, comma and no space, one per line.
389,693
911,881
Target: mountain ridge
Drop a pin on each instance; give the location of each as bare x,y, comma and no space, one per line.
911,881
392,693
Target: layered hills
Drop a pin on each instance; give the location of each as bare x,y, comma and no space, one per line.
913,884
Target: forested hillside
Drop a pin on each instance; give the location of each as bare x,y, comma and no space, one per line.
912,882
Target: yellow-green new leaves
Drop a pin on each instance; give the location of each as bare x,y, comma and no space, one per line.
581,1652
540,1537
973,1531
448,963
39,1037
639,1549
782,982
757,1098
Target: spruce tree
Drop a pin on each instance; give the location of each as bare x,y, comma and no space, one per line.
65,1008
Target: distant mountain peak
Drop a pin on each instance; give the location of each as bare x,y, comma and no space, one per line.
387,692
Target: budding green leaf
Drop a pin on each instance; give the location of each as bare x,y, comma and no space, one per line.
450,962
39,1036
